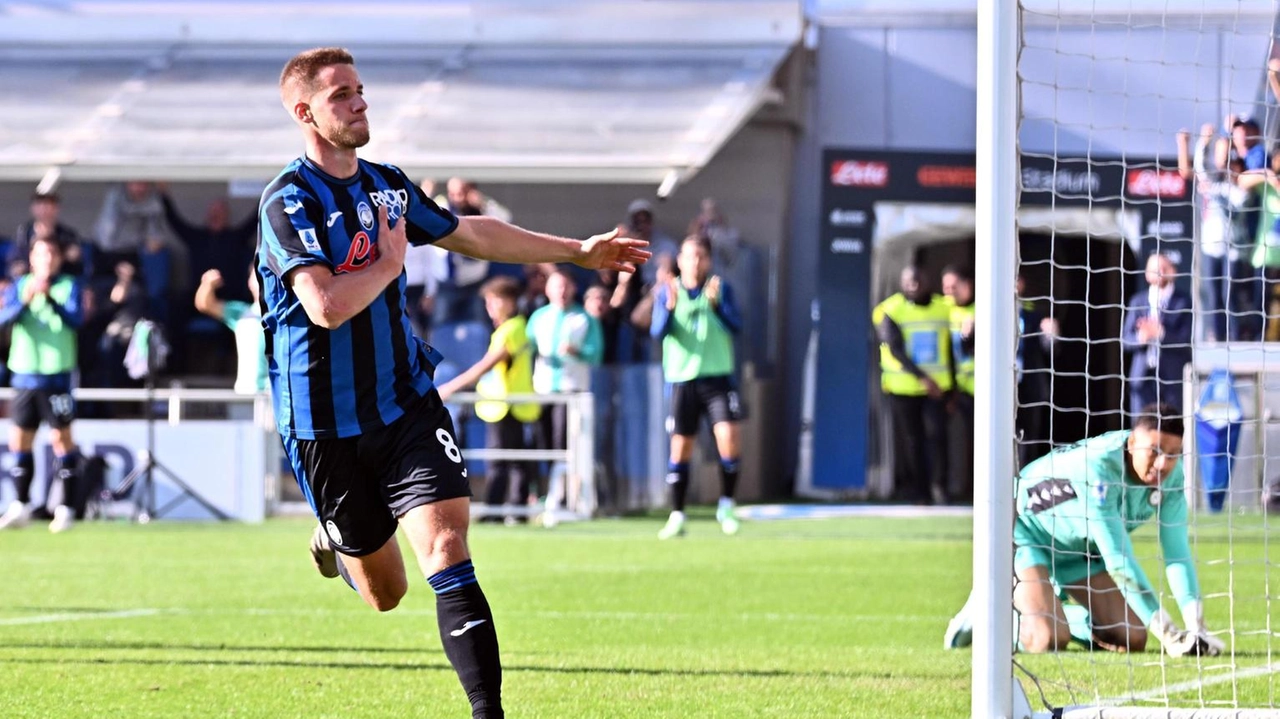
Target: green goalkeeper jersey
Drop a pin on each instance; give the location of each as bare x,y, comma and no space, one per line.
1084,500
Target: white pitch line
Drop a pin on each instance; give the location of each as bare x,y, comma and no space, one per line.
1182,687
78,617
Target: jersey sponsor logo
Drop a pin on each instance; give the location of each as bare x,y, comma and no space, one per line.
309,239
1049,494
860,173
290,209
394,200
365,213
359,255
333,218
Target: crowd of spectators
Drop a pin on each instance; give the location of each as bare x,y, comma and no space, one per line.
145,259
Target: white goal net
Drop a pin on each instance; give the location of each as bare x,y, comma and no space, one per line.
1148,254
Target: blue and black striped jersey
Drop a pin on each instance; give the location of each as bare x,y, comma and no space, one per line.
364,374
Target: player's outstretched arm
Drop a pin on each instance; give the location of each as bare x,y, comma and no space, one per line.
489,238
1180,566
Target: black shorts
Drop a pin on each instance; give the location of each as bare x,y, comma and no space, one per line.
714,396
359,487
31,406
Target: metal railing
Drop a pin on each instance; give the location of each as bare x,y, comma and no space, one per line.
581,497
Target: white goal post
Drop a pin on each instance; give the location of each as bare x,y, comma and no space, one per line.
1231,547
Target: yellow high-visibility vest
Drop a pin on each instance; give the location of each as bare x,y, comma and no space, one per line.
926,334
964,360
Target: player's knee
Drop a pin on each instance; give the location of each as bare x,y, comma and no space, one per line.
448,547
386,596
1138,639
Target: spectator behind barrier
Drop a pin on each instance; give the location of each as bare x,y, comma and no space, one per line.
640,223
243,319
567,343
1224,274
725,239
44,222
507,368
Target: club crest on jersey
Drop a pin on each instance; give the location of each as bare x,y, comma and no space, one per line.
365,213
359,255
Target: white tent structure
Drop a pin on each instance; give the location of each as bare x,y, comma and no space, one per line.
535,91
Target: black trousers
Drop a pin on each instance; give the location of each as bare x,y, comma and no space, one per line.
960,440
509,480
919,448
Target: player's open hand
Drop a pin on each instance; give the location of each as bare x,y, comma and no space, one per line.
391,240
613,251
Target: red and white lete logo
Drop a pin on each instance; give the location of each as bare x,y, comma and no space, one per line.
860,173
1155,183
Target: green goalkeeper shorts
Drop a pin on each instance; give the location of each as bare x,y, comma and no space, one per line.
1034,548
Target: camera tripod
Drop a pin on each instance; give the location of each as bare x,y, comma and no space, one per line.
143,474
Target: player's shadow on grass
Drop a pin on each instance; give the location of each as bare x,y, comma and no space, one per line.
444,666
328,650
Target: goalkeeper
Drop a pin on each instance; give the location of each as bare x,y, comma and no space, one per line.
1076,507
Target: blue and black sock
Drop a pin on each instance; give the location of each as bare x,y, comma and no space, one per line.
469,638
728,476
65,472
21,472
678,480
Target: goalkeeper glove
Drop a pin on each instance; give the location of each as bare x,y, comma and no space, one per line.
1193,617
1180,642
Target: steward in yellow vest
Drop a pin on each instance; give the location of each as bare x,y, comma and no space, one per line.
916,374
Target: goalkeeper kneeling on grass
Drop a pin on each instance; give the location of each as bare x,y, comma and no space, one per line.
1076,507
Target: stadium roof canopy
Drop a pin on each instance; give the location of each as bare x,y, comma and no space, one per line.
532,90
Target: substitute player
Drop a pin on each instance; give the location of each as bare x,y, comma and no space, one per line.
43,308
1076,507
368,437
696,317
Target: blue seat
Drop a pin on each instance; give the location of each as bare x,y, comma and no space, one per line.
462,343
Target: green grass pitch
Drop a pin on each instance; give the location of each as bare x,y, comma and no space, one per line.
828,618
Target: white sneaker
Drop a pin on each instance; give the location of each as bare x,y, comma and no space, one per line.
63,519
960,628
549,518
674,526
728,522
16,516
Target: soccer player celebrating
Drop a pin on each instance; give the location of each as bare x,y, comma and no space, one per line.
369,440
1076,507
43,308
695,316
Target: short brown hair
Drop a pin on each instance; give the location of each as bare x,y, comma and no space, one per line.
503,286
301,70
699,240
